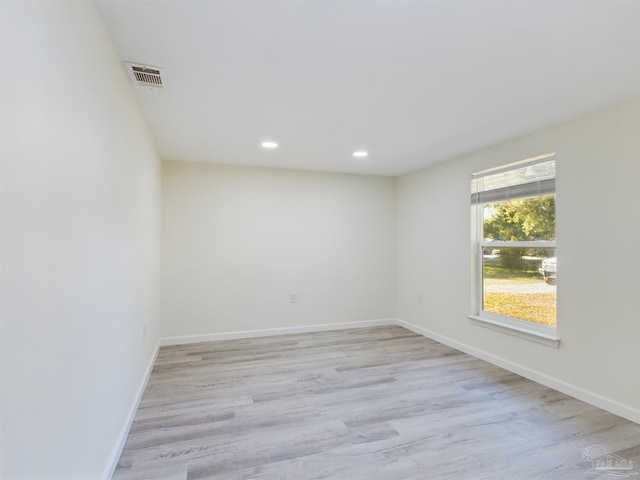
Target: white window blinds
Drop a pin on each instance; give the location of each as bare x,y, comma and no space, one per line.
525,179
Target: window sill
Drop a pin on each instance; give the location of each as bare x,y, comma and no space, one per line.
518,328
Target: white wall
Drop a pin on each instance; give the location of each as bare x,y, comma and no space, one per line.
598,166
237,240
79,251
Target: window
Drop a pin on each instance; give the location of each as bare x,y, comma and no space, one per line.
514,211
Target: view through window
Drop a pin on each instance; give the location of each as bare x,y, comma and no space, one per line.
516,211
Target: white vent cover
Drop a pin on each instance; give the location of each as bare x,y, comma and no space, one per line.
145,75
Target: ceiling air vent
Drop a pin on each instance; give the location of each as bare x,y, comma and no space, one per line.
144,75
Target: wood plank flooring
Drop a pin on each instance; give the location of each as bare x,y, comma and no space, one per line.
371,403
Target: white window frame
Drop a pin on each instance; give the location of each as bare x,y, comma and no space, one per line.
543,334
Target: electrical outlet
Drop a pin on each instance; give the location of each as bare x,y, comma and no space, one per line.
293,297
419,298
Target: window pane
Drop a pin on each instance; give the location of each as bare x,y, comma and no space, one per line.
520,283
519,220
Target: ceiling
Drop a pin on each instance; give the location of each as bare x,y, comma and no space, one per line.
411,82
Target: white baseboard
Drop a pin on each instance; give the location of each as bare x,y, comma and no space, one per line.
124,431
267,332
592,398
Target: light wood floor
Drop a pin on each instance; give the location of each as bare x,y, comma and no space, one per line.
374,403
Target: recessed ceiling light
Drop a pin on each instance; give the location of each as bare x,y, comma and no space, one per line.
269,145
360,154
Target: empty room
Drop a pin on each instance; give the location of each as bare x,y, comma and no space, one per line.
291,239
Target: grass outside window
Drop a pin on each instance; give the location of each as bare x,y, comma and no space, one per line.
518,293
